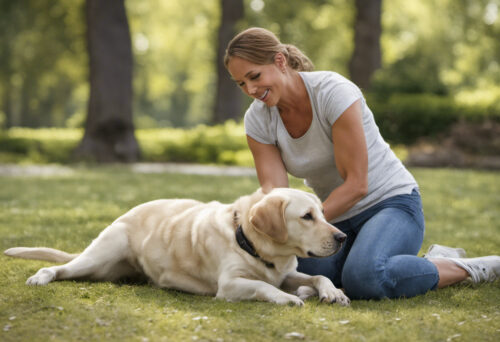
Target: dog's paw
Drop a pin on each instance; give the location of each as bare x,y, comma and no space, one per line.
288,299
42,277
305,292
333,295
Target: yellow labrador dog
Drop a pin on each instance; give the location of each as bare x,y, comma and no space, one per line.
240,251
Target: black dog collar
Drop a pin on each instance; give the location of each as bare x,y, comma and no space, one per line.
247,246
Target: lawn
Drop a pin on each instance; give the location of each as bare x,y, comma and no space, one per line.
67,211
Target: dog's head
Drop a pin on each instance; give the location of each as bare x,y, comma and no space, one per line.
294,221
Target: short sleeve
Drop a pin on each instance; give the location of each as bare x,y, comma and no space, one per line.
259,124
337,97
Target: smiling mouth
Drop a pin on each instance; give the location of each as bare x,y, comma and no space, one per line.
263,95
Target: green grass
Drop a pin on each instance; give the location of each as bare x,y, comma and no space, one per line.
67,212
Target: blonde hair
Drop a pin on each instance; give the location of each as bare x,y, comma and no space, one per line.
259,46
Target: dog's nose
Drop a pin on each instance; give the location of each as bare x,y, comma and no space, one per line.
339,237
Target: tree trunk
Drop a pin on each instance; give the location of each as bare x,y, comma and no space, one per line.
109,129
366,57
7,105
228,100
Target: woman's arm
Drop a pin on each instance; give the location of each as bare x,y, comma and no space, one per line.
269,165
351,157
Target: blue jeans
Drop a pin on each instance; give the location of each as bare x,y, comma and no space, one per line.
378,259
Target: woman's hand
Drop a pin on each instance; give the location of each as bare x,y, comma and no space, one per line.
351,157
269,165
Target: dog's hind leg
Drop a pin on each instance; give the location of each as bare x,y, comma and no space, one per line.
104,259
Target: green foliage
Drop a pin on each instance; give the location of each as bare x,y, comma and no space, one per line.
322,29
43,61
412,74
68,211
438,47
222,144
174,49
49,145
403,118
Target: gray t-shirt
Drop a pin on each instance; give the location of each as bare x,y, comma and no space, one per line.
311,156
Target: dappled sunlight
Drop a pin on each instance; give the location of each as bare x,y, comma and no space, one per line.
45,71
435,96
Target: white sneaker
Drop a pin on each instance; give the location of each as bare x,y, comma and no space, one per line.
483,269
438,251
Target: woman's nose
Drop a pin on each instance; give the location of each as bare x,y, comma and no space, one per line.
252,89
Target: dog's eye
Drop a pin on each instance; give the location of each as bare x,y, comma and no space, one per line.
308,217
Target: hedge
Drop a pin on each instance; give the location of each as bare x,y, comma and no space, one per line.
222,144
402,119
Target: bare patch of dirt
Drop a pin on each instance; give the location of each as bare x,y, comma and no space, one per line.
466,145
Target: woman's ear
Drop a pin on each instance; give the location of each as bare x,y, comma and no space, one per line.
280,61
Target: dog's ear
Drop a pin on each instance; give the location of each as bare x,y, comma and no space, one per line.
268,217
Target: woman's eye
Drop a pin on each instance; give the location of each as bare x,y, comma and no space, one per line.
241,84
308,217
255,77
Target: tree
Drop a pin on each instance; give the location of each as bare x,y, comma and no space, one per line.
41,61
228,99
366,57
109,129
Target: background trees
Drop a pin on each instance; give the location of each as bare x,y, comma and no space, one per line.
109,130
446,48
43,62
228,98
366,57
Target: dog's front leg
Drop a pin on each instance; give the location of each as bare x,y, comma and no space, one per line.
236,289
327,292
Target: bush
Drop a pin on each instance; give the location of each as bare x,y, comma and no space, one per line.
403,118
222,144
44,145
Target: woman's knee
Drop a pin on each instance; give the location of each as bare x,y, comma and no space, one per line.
363,280
394,277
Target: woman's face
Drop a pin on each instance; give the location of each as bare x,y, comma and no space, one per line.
262,82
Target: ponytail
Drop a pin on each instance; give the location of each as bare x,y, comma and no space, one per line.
297,60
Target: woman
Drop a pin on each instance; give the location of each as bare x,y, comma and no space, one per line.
317,126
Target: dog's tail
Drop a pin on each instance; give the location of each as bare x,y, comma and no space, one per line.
40,253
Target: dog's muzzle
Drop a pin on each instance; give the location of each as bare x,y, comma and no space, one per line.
339,238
